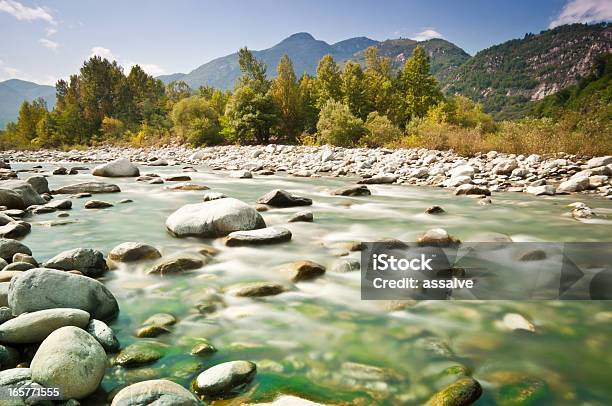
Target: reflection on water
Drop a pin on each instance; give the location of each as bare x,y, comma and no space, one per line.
319,340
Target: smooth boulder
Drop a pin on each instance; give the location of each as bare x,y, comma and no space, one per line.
42,288
70,359
160,392
226,379
118,168
87,187
133,251
36,326
88,261
25,191
282,198
10,247
268,235
103,334
356,190
215,218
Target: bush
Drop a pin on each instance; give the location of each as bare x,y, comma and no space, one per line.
112,128
338,126
380,131
195,120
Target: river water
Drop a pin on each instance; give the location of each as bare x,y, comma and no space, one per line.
319,340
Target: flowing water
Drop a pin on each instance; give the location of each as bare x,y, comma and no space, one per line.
319,340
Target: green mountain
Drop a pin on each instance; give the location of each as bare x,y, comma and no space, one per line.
445,56
302,48
13,92
506,77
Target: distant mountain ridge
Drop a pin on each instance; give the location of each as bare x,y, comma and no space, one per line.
304,50
14,92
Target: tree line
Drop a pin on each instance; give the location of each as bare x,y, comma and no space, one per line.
342,104
339,105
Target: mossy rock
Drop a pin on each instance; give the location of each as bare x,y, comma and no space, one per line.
463,392
516,389
139,354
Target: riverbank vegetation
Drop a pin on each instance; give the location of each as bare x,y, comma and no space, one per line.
347,105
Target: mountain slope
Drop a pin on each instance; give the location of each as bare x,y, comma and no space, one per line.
505,77
14,92
302,48
445,56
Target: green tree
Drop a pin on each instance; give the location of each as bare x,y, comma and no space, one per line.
196,120
352,87
327,81
380,131
338,126
380,89
250,116
308,104
286,94
419,88
253,72
177,90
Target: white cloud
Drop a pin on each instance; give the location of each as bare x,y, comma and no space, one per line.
25,13
11,71
47,43
427,33
51,31
102,52
150,68
583,11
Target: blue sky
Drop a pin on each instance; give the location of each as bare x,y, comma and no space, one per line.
44,40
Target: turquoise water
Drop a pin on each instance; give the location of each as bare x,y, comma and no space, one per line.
306,341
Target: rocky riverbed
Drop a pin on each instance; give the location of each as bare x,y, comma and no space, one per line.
493,171
230,275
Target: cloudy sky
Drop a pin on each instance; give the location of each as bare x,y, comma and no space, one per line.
44,40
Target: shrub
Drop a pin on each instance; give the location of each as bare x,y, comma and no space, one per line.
197,121
380,131
338,126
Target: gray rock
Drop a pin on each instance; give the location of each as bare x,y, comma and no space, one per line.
225,379
11,199
60,204
379,179
215,218
87,188
39,184
97,204
574,185
160,319
4,219
302,270
18,266
289,400
88,261
9,247
72,360
258,289
352,190
19,378
9,358
19,257
15,229
457,181
36,326
4,289
133,251
541,190
269,235
176,266
24,190
121,167
599,161
103,334
155,392
302,216
346,265
5,314
469,189
282,198
462,170
505,167
241,175
41,288
213,196
139,353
